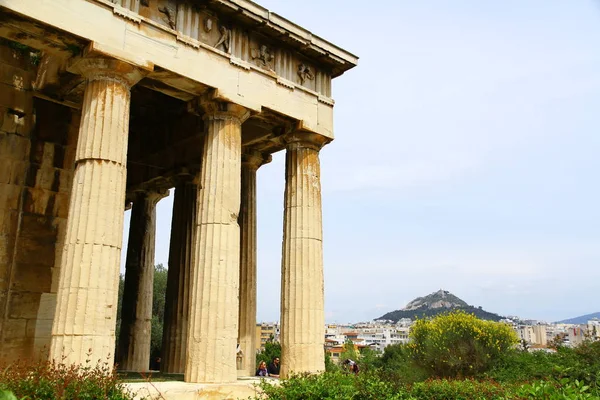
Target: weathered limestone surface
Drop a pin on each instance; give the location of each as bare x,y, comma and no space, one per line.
140,41
212,338
302,299
179,278
133,352
35,180
84,325
247,221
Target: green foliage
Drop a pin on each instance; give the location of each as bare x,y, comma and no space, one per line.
330,365
272,350
368,360
371,386
467,389
459,344
7,395
158,309
520,366
580,363
327,386
558,390
51,380
332,386
398,365
348,352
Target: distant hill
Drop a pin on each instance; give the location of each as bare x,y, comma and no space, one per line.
580,320
437,303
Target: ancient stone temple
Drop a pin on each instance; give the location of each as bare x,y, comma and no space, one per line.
106,105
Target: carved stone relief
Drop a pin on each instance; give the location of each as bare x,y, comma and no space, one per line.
304,73
225,39
208,22
263,57
169,11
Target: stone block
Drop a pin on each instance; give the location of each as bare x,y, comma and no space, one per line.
24,305
14,76
16,349
61,205
18,173
7,243
39,328
36,201
5,170
38,227
55,275
14,58
66,181
13,98
15,328
9,197
14,147
45,178
32,278
48,155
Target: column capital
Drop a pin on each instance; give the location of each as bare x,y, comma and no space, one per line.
102,68
305,139
211,107
153,196
255,159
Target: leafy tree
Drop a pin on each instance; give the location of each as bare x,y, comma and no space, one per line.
369,359
459,344
330,365
158,309
272,350
348,352
398,364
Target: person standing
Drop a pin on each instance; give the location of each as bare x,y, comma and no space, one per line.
274,368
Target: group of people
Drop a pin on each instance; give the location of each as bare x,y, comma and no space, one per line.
271,370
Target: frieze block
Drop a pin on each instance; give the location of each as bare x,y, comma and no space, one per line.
224,40
263,57
305,72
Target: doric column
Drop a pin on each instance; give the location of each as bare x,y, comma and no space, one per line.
247,220
179,279
302,302
84,323
133,352
213,327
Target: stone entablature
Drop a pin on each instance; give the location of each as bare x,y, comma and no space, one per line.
274,58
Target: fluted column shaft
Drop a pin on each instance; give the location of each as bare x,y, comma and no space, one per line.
302,299
84,323
133,352
247,221
213,328
179,279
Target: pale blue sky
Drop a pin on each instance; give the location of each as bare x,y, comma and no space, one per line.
466,158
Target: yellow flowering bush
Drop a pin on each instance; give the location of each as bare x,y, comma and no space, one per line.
458,344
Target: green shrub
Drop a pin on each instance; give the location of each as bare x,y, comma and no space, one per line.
580,363
397,365
558,390
459,344
51,380
326,386
520,366
460,389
